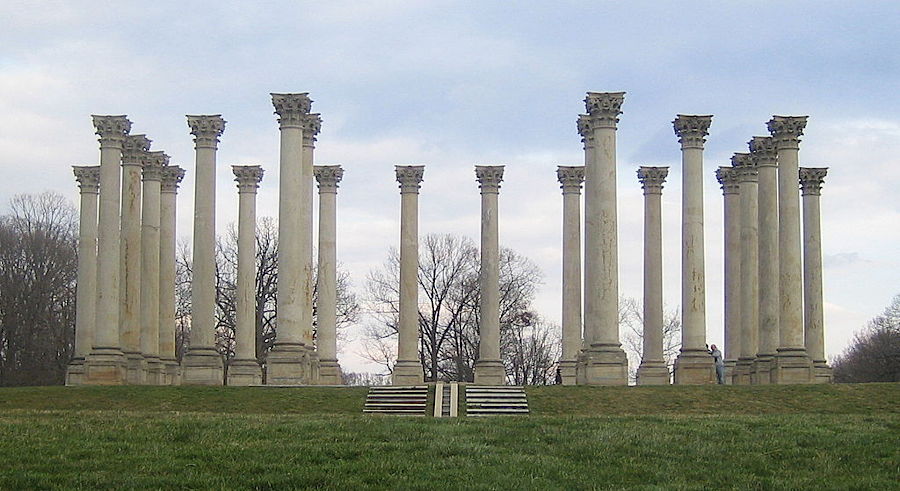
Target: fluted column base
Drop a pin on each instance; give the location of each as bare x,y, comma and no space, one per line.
407,372
330,373
153,371
170,371
202,366
568,371
75,372
653,372
135,368
792,366
291,364
603,365
104,366
762,369
243,373
743,370
490,372
694,367
822,373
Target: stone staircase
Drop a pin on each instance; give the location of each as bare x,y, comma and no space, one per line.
408,400
485,400
446,400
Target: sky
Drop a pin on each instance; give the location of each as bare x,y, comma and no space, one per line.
454,84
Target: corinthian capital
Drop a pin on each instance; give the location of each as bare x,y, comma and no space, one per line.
786,130
88,177
206,129
745,166
571,178
692,130
604,108
312,125
247,177
328,177
652,178
409,177
489,177
586,129
763,151
111,129
171,177
811,179
291,108
728,177
134,148
154,163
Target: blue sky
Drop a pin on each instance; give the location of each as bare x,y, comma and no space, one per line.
452,84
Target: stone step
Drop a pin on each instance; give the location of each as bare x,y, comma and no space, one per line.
409,400
496,400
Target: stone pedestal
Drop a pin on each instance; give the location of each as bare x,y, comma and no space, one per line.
171,176
728,178
202,364
488,367
150,223
792,363
813,304
603,361
86,293
694,365
328,177
105,364
571,179
746,168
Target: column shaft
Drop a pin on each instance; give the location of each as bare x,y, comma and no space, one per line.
749,269
488,368
149,304
171,177
653,369
328,177
408,368
764,153
814,322
86,292
728,178
571,179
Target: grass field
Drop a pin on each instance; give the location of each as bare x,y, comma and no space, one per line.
840,437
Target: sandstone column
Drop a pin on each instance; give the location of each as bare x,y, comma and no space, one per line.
792,363
312,124
762,149
604,361
289,361
133,159
328,177
571,179
408,369
653,369
728,178
202,364
489,368
244,369
105,365
811,183
693,365
171,178
149,304
749,268
86,292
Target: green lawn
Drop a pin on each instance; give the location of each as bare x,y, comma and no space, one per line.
848,437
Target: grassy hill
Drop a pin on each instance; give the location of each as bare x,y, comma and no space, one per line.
786,437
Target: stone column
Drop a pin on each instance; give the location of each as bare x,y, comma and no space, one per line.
746,168
312,124
134,156
289,361
693,365
653,369
150,222
408,368
571,179
202,364
328,177
603,361
814,323
171,178
488,367
762,149
792,363
86,292
728,178
244,369
105,365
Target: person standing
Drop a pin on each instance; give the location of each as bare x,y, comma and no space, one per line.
719,362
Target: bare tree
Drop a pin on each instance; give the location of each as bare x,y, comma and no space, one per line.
874,354
38,265
631,320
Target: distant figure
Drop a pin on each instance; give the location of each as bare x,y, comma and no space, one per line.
720,364
558,379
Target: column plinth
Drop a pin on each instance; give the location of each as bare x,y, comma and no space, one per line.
693,365
408,369
764,154
728,178
202,364
328,177
105,364
150,223
86,293
811,179
170,179
571,180
792,363
244,369
603,361
748,174
489,368
653,369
